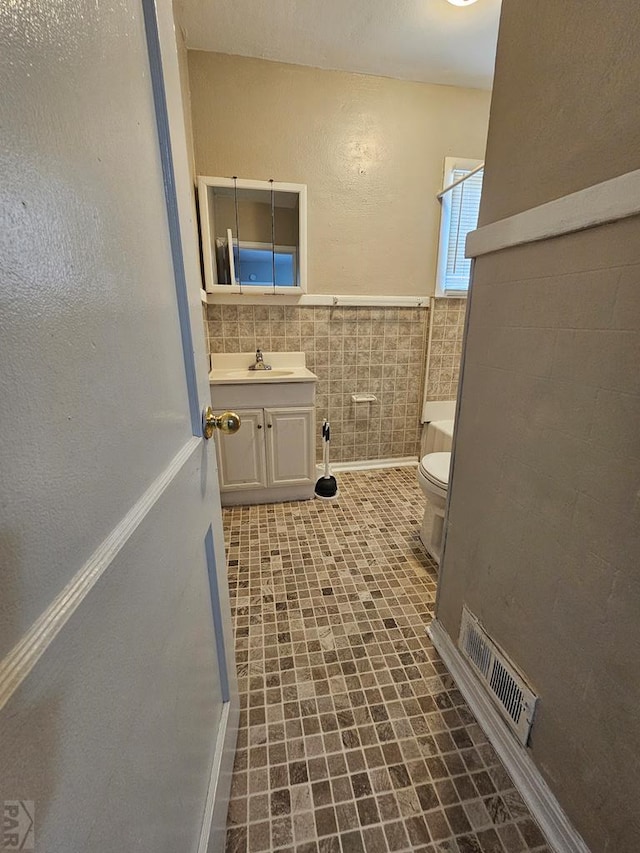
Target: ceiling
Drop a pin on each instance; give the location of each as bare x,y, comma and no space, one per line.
426,40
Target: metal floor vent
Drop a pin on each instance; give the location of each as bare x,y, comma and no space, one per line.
512,695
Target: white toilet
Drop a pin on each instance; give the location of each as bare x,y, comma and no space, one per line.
433,477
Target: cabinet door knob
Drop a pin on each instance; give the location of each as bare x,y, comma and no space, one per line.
259,426
270,426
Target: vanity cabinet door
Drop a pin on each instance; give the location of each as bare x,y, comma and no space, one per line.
241,461
290,445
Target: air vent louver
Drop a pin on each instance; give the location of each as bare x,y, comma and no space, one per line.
512,695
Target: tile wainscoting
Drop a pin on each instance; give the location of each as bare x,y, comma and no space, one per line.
381,351
446,348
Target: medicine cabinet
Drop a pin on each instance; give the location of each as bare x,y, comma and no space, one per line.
254,235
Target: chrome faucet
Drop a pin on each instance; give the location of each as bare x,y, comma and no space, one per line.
259,363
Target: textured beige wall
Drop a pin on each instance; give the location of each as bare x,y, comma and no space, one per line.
370,149
544,526
183,66
567,108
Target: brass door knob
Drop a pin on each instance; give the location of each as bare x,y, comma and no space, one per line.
227,422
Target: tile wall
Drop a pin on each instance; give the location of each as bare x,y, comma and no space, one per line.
446,348
352,350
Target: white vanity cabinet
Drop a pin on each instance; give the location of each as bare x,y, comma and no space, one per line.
272,449
272,456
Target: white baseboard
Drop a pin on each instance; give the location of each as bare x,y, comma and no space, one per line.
544,807
214,821
371,464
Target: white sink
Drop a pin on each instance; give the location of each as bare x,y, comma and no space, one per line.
233,369
259,375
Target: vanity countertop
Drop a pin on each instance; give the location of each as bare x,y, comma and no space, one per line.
233,369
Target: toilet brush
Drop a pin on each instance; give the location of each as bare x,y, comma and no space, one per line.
327,486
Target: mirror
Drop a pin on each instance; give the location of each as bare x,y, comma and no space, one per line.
253,236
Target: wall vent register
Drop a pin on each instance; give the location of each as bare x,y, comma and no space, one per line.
508,689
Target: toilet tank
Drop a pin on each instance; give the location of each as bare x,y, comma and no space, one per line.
437,437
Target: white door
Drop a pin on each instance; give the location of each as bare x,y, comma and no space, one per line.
118,702
290,435
241,459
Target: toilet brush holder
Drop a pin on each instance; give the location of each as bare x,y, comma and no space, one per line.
327,485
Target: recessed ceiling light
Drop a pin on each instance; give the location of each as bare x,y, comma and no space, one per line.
461,2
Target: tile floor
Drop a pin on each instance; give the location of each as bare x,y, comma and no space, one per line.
353,736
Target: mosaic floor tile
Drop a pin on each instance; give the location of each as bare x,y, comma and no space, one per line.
353,737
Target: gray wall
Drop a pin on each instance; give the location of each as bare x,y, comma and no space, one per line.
567,106
544,526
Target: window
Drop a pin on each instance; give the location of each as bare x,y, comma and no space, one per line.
459,215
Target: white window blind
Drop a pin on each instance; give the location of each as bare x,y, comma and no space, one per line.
462,210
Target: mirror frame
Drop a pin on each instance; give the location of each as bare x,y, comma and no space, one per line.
205,183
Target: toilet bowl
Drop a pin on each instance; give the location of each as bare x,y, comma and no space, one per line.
433,478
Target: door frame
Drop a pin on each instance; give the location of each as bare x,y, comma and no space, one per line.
160,28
